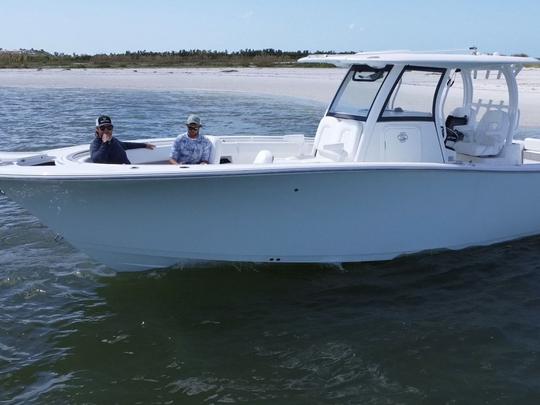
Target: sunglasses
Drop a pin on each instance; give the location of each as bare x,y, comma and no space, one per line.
106,127
193,128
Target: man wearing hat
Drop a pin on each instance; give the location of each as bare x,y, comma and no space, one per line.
191,148
107,149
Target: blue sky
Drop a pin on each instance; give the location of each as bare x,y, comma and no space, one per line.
341,25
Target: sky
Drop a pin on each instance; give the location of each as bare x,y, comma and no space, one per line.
98,26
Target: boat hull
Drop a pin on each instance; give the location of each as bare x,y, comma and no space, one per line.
324,216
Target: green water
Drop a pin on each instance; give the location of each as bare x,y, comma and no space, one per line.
448,328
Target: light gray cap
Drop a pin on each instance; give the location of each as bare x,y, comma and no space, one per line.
193,119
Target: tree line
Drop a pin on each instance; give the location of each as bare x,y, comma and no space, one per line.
180,58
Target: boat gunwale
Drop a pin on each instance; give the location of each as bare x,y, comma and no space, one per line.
211,171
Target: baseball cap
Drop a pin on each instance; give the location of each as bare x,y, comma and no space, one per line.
103,120
193,119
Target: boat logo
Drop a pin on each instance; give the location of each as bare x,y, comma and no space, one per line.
402,137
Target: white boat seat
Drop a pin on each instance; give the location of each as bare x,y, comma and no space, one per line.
264,156
333,151
470,117
489,136
337,139
215,154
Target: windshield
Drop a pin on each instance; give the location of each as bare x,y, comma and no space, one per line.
413,98
358,91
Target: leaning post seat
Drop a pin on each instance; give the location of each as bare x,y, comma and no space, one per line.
489,136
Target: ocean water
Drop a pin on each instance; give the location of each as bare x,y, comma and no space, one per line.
441,328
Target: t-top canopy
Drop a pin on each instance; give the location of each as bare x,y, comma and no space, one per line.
379,59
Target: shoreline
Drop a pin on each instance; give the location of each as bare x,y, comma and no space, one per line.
314,84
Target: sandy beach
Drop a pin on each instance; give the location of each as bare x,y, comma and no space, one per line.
312,84
315,84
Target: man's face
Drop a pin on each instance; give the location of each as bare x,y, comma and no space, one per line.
105,129
193,130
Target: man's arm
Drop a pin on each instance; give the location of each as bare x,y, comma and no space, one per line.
99,151
136,145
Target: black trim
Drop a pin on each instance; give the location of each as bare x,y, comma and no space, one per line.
412,118
387,68
436,95
347,116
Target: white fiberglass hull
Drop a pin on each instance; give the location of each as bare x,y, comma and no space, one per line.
352,213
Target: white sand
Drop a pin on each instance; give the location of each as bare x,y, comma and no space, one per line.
314,84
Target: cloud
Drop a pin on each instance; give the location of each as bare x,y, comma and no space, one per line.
247,15
353,27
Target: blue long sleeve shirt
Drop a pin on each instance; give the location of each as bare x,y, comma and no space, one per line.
191,151
113,151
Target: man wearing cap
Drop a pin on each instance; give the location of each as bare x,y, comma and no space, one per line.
107,149
191,148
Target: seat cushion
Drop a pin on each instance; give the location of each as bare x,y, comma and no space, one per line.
477,149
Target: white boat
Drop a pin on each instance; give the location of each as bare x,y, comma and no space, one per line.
407,158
